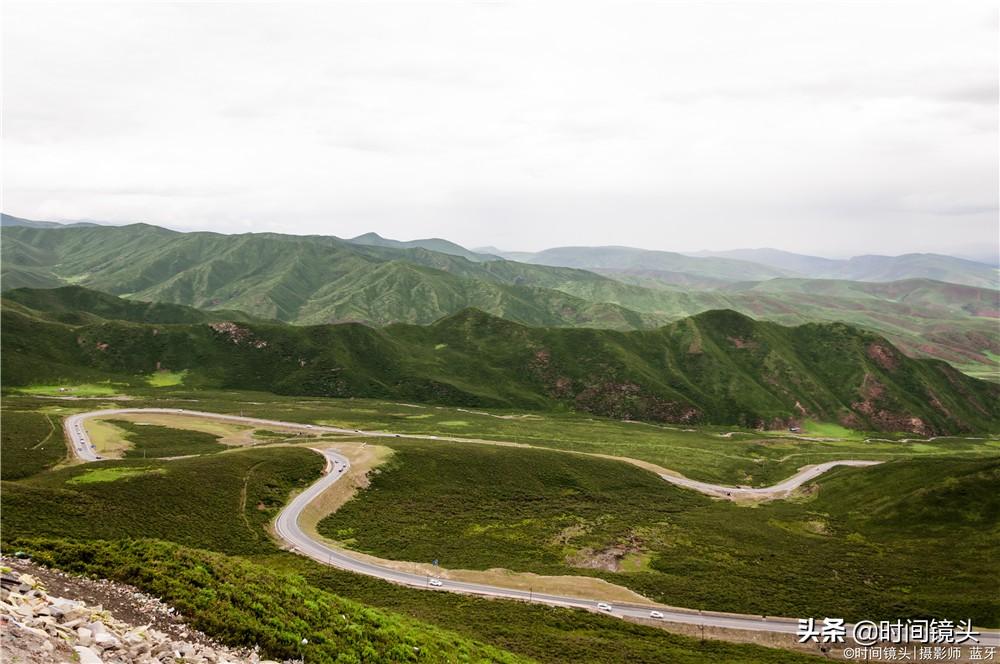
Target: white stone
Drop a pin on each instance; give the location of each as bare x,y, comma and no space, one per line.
107,640
87,656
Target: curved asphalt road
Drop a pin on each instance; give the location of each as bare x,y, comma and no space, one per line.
288,529
774,491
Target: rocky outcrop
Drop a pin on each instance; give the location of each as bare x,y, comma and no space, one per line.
39,628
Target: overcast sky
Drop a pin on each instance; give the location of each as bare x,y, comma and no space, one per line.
829,128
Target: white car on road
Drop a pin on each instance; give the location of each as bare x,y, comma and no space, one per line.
656,614
604,606
436,583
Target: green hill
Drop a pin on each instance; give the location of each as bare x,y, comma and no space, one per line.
316,280
248,605
75,305
300,279
872,268
941,298
630,258
432,244
928,266
716,367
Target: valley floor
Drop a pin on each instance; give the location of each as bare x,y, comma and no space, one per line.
521,503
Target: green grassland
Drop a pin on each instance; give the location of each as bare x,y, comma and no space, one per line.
82,390
152,441
249,605
914,537
545,633
30,442
222,503
314,280
92,475
226,596
868,543
715,368
716,454
167,378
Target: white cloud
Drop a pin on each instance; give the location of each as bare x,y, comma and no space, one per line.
830,128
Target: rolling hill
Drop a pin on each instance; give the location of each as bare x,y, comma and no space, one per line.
717,367
315,280
758,264
75,305
629,258
872,268
300,279
9,220
432,244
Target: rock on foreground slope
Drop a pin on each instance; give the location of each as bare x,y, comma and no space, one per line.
39,628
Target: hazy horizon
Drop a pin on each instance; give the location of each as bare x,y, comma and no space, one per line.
984,257
822,129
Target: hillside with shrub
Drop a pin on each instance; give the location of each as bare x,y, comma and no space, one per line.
719,367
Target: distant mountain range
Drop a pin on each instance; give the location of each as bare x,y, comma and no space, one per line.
717,367
431,244
369,279
8,220
759,264
302,279
874,268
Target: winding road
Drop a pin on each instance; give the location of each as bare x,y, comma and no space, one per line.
288,529
774,491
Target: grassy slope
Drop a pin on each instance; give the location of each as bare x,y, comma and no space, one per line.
226,596
198,502
717,367
75,305
926,318
303,279
193,496
631,259
432,244
248,605
884,535
29,443
152,441
714,454
930,266
310,280
766,264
